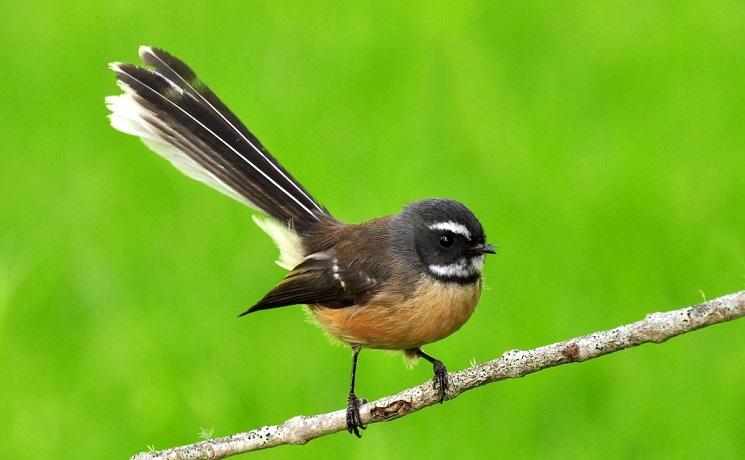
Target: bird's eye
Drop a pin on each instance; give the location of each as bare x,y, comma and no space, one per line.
446,240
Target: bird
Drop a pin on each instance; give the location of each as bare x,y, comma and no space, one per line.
397,282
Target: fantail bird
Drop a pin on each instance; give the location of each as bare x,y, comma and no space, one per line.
396,282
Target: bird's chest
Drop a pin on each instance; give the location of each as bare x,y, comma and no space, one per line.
431,312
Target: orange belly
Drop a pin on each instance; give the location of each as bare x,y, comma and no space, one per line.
396,322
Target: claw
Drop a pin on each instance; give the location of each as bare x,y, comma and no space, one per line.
440,381
354,420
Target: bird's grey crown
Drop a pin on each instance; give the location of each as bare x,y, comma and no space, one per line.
419,228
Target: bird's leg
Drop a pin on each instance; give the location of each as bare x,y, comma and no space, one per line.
440,380
354,420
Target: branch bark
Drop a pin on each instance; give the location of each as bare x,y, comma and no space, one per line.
656,327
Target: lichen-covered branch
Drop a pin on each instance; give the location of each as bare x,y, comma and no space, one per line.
656,327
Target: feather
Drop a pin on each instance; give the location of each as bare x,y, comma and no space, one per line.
320,280
290,246
182,120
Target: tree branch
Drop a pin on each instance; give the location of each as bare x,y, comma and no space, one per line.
656,327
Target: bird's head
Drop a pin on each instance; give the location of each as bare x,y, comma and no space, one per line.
444,238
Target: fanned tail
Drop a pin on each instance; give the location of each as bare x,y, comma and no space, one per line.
181,119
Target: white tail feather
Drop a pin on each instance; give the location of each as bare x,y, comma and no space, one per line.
149,50
126,116
129,91
130,116
290,247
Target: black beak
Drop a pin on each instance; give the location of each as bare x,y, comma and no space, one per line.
480,249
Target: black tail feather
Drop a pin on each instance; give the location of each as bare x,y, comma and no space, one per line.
174,107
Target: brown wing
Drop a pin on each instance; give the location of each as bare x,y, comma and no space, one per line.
320,280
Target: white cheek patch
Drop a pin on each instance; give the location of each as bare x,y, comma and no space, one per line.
477,263
463,268
453,227
129,116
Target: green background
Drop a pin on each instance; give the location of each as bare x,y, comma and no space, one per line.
601,145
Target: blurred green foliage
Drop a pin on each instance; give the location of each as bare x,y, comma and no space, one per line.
600,143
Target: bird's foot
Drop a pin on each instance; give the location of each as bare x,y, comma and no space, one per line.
440,381
354,420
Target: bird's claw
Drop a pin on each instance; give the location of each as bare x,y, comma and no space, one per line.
440,381
354,420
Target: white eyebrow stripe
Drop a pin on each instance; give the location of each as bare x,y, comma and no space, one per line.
451,226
